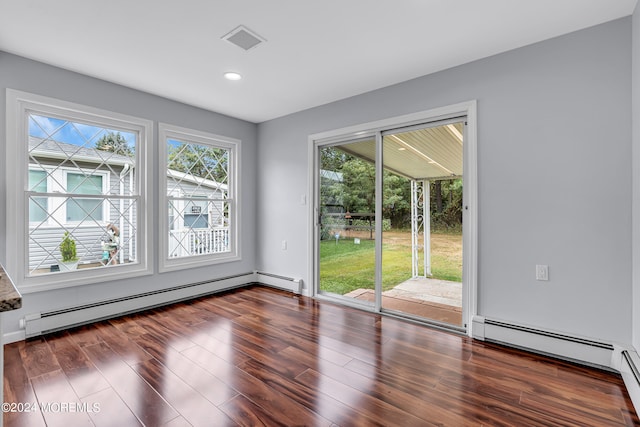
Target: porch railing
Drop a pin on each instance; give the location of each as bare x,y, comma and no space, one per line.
188,242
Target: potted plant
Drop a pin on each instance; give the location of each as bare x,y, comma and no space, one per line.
68,251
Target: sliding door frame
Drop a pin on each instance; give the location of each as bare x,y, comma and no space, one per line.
470,203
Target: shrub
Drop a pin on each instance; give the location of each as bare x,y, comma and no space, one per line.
68,248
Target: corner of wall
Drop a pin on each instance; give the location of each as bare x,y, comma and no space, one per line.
628,366
635,149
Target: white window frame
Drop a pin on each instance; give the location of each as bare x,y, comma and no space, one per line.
19,106
166,132
105,185
59,185
48,184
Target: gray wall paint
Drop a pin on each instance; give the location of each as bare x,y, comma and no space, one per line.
554,165
30,76
636,176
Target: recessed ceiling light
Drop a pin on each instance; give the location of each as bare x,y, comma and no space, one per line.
230,75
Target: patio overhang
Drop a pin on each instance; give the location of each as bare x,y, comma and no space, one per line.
421,154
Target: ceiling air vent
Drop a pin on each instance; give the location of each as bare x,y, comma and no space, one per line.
243,38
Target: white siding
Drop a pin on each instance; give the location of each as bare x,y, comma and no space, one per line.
44,243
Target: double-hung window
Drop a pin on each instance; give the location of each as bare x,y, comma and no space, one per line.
47,211
85,183
199,195
80,192
38,205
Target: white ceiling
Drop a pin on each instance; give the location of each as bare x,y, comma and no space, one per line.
316,51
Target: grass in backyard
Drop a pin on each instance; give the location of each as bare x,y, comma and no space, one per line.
346,266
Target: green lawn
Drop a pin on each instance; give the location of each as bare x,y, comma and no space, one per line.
347,266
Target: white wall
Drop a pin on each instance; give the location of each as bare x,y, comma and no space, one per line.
636,175
554,165
30,76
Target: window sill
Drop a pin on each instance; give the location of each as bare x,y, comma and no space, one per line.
176,264
65,280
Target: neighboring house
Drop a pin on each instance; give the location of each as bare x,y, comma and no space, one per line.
196,227
58,168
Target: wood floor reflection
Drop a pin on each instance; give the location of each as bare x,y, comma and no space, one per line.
258,356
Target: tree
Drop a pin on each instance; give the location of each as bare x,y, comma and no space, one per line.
332,159
396,202
114,142
359,179
200,161
353,187
437,193
449,217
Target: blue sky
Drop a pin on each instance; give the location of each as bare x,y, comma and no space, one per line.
72,132
174,143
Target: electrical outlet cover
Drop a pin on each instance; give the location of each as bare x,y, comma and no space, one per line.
542,272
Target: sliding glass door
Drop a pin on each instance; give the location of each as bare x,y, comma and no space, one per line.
389,220
347,210
422,217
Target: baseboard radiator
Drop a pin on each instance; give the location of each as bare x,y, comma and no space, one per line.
630,371
281,282
601,355
55,320
568,347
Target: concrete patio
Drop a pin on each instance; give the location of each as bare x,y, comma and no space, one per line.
433,299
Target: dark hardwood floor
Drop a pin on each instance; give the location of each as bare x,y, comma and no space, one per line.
258,356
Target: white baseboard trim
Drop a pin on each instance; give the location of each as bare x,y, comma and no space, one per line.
630,371
14,336
573,348
41,323
609,356
36,324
